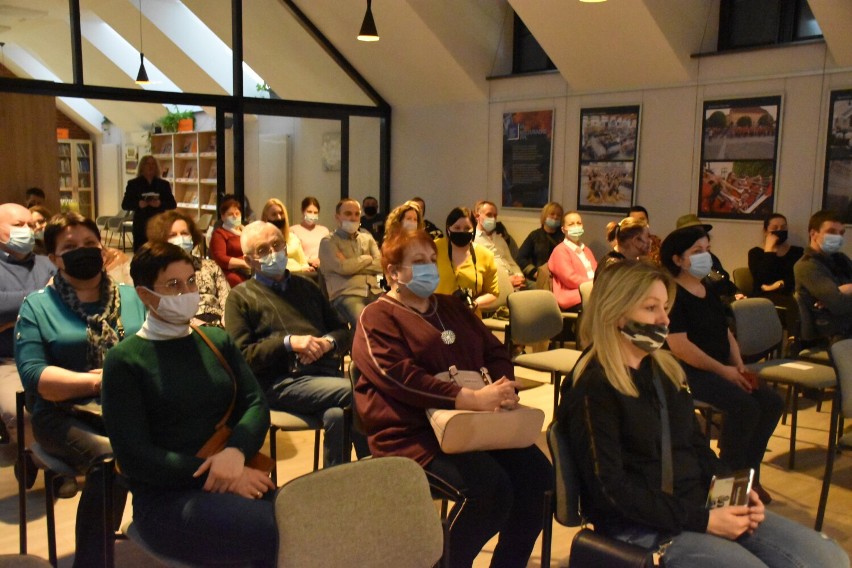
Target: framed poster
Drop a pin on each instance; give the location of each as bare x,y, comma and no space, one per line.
837,182
608,150
739,150
527,157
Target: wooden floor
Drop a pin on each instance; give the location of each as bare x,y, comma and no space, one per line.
796,493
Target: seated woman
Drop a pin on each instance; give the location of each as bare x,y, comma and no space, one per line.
403,340
536,249
164,391
701,339
631,238
771,265
405,217
571,263
40,216
274,212
179,229
465,268
309,231
225,243
63,333
612,420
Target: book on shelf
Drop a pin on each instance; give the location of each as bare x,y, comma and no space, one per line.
211,146
190,169
167,148
166,173
187,148
212,199
211,173
190,196
83,150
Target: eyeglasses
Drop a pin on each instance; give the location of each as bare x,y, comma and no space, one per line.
267,249
175,286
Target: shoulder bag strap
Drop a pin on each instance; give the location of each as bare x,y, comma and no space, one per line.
227,367
666,434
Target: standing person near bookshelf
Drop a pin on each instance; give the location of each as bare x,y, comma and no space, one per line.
146,195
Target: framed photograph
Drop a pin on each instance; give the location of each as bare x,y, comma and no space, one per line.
608,148
739,149
331,152
527,158
837,182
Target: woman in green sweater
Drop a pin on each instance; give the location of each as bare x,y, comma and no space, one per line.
164,391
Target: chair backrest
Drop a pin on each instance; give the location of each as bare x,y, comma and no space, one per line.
504,283
586,292
744,280
370,513
534,316
566,506
841,354
758,327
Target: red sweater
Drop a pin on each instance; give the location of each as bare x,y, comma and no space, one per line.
398,351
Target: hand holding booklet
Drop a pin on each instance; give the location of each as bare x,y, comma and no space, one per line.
730,490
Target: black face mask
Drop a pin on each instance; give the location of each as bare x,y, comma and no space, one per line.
83,263
782,236
460,238
370,211
279,224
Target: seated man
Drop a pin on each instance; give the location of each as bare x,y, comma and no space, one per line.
21,272
487,236
291,338
372,220
824,277
349,261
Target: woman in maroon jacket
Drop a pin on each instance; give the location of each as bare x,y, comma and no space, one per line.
403,340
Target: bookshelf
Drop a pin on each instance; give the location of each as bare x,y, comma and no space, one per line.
188,161
76,178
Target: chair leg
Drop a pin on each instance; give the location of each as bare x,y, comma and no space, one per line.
49,501
317,449
22,481
795,414
786,405
829,460
547,529
108,467
273,451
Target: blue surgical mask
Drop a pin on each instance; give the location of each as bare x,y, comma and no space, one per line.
700,264
831,243
274,264
21,240
424,279
232,222
184,242
575,232
489,224
552,223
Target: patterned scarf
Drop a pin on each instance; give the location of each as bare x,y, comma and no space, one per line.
100,335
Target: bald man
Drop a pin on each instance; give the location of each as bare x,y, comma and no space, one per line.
21,272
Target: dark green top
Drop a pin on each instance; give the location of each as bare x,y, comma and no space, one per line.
162,400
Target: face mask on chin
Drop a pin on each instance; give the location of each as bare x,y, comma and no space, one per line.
350,227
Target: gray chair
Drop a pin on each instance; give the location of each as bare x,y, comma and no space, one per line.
760,336
841,354
282,421
744,280
534,316
112,226
505,286
805,342
370,513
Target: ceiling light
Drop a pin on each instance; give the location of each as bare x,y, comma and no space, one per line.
142,75
368,27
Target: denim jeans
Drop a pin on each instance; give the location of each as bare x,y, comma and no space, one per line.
505,493
209,529
80,442
777,543
350,307
323,397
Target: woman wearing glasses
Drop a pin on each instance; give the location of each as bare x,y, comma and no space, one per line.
164,392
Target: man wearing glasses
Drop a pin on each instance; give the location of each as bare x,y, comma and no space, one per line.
291,338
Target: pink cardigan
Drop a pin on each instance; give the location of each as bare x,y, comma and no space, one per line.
568,273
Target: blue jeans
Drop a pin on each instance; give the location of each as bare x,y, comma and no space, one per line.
204,528
777,543
323,397
350,307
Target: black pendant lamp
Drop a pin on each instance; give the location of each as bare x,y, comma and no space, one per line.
368,26
142,75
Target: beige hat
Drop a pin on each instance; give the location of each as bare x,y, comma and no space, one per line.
692,220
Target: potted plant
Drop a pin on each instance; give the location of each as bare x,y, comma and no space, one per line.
178,121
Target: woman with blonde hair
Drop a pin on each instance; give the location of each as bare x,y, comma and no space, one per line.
274,212
405,217
146,195
631,239
539,244
613,417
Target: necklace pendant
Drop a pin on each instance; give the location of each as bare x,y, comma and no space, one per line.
448,336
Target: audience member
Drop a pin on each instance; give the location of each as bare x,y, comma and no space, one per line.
274,212
407,337
40,216
405,217
225,243
488,237
539,244
292,339
699,336
146,195
824,276
372,221
718,278
309,231
63,333
179,229
350,262
571,263
771,267
631,239
164,391
612,417
428,225
34,196
465,269
639,212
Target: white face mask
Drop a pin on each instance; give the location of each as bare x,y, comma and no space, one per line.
409,225
311,219
350,227
184,242
232,222
178,310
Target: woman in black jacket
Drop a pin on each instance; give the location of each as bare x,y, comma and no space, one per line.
146,195
536,248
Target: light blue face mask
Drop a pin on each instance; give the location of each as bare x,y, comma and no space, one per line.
575,232
21,240
700,264
424,279
489,224
831,243
552,223
274,264
232,222
184,242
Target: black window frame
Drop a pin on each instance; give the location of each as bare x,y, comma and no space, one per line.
790,14
525,47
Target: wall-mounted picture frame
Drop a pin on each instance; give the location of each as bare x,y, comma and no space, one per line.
837,182
609,145
527,158
739,158
331,155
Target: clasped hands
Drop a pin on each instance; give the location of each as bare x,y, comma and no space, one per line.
309,348
227,473
733,521
499,395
